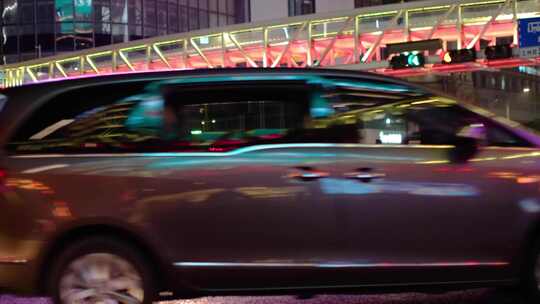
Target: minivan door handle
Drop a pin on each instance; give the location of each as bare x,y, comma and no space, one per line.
365,175
307,174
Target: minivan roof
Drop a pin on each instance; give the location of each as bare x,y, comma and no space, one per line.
208,75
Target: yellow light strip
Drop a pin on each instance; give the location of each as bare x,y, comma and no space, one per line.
182,43
161,56
332,43
248,58
134,48
389,13
289,41
60,68
29,70
38,65
203,56
371,51
255,29
125,59
428,9
167,42
100,54
91,61
92,65
69,59
482,3
333,20
286,25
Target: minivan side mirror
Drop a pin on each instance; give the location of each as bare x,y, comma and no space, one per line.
467,143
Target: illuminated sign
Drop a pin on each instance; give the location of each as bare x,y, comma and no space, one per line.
65,11
390,138
529,37
83,7
533,27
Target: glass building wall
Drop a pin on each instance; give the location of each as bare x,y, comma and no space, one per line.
39,28
364,3
301,7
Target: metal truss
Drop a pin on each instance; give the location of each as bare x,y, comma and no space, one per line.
356,40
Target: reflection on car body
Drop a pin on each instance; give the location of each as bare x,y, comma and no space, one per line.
340,186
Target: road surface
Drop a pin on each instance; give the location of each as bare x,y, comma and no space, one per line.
482,296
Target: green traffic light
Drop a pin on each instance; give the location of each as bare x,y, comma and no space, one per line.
407,60
413,60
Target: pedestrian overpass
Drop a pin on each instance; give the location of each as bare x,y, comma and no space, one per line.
354,39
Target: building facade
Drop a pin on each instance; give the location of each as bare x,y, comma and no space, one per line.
38,28
276,9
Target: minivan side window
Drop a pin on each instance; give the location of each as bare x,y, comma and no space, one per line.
227,117
90,119
171,119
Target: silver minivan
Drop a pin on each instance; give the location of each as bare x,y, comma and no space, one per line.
125,188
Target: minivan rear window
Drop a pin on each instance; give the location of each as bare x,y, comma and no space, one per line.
48,129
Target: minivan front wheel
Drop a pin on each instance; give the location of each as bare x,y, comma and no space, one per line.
101,270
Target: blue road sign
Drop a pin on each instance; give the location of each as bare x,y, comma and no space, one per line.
529,37
529,32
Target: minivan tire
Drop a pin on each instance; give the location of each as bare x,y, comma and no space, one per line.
118,255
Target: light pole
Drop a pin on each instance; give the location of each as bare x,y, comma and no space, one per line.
38,48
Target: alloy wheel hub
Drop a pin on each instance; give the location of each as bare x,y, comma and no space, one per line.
101,278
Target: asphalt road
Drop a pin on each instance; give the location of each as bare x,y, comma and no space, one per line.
482,296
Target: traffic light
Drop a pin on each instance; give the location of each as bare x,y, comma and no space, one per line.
459,56
498,51
407,60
